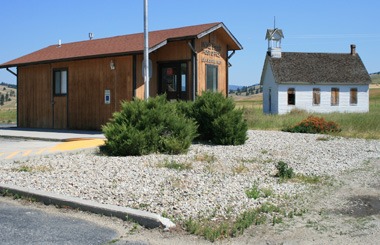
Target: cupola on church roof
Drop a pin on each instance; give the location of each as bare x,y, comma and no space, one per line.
275,34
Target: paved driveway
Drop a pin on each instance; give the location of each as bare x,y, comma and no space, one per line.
26,225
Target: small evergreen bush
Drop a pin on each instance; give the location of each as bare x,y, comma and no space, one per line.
144,127
314,125
218,120
284,171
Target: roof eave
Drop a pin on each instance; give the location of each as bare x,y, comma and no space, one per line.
216,27
70,59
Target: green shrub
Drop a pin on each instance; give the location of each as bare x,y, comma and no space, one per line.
218,120
284,171
314,125
144,127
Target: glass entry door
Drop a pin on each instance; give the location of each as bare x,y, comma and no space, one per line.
173,80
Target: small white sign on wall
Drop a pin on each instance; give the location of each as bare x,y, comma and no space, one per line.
107,97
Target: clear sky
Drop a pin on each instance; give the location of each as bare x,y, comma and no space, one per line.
308,26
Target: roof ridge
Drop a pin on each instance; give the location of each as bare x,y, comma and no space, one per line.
138,33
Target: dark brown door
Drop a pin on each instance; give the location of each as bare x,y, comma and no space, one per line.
59,102
173,80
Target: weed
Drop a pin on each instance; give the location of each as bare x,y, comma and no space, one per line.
24,168
229,228
240,169
205,158
178,166
254,192
276,220
284,171
323,138
264,152
267,192
308,179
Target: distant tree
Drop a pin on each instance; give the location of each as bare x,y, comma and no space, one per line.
4,88
1,99
12,93
6,97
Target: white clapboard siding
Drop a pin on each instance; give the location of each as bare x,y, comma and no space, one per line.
304,98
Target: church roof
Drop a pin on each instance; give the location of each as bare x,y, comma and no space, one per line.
320,68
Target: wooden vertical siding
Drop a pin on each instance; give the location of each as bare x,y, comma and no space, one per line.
215,38
87,82
34,97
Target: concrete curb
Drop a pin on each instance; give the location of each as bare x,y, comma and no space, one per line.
144,218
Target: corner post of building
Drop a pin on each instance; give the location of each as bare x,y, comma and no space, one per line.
194,68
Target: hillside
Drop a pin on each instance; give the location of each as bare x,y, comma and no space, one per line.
375,78
8,103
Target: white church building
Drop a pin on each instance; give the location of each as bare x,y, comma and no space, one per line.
315,82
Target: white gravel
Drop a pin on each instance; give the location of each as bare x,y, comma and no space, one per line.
215,183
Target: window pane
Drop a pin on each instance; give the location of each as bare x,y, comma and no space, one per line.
316,96
291,96
334,96
211,77
57,82
354,96
63,82
183,77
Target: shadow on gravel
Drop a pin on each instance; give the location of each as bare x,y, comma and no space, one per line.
361,206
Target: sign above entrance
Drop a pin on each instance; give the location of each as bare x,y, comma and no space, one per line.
211,52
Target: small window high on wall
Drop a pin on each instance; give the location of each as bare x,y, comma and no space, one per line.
291,96
353,96
60,82
316,96
334,96
212,78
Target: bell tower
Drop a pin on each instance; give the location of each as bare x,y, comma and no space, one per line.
274,37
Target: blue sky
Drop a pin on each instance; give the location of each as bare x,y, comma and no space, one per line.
308,26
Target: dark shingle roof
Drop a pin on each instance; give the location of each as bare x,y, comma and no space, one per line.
119,45
321,68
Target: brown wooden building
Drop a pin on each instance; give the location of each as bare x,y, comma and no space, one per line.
79,85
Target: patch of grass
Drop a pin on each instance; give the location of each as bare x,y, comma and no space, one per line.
231,228
323,138
240,169
8,115
255,192
205,158
29,169
308,179
175,165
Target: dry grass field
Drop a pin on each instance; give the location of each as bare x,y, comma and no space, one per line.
8,110
360,125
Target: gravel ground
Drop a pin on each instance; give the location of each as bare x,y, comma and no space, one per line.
213,183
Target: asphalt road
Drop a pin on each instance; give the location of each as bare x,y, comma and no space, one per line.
28,225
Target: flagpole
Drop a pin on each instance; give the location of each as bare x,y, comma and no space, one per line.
146,50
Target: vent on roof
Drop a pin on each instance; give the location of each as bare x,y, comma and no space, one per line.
90,35
59,43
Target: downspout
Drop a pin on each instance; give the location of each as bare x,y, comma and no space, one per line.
195,68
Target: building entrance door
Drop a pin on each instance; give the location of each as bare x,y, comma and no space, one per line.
59,101
173,80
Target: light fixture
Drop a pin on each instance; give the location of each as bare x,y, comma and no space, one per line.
112,65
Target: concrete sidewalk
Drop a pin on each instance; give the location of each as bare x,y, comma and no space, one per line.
49,134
